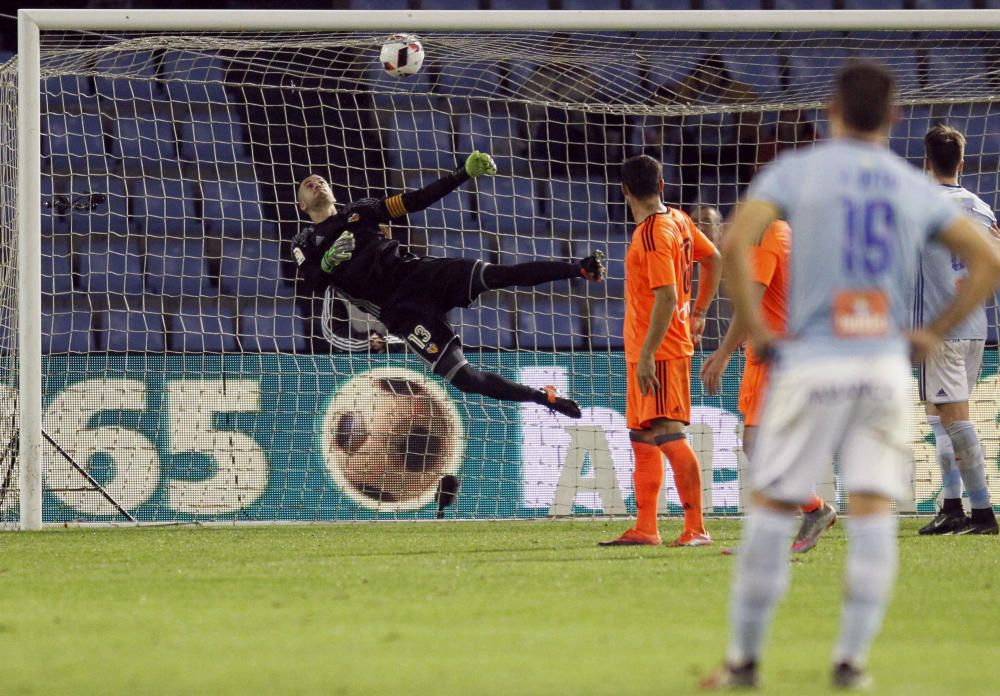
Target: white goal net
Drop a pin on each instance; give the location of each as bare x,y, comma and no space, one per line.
184,373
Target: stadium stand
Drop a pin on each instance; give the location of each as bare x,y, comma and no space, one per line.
67,327
176,267
128,326
271,326
110,265
201,325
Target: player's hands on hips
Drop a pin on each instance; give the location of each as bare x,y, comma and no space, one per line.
712,370
341,251
479,163
923,344
645,375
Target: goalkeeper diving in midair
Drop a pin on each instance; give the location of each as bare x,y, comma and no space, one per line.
345,247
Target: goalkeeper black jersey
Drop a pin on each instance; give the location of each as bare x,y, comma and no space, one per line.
378,267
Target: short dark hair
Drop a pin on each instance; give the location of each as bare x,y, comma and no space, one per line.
944,147
865,91
642,176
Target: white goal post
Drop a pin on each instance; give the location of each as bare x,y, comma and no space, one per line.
33,24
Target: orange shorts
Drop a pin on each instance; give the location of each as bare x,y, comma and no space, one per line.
672,400
752,391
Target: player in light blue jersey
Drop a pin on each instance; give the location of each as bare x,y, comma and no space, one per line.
859,217
948,376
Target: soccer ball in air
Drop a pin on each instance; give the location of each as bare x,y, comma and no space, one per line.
402,55
389,436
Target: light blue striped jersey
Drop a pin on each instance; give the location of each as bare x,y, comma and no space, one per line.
939,272
860,216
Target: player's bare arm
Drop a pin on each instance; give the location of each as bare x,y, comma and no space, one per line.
748,224
982,260
664,304
715,364
709,276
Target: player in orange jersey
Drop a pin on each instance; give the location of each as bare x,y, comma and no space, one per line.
660,332
769,272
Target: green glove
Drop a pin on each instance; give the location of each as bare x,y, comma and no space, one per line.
480,163
341,251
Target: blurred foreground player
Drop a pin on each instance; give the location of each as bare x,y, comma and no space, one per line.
769,273
948,375
841,381
411,295
660,332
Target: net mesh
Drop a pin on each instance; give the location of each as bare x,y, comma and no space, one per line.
185,373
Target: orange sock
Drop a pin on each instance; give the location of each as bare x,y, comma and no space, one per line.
687,476
813,505
647,479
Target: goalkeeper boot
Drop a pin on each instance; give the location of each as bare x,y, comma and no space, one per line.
733,677
949,520
692,538
560,404
633,537
847,676
592,267
813,525
981,522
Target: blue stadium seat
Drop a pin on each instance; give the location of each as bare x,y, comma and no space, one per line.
473,78
143,141
907,136
816,66
378,4
164,207
201,325
98,204
731,4
66,329
579,209
661,4
519,5
547,323
460,244
129,328
449,4
755,65
874,4
509,206
232,209
501,136
57,268
488,324
74,142
944,4
605,322
68,93
422,139
517,249
110,265
176,267
272,327
140,85
252,268
195,78
212,135
452,212
803,4
398,94
591,4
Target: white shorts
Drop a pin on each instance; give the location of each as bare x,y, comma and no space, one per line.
852,407
950,375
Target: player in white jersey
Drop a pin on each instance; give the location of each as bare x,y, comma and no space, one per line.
840,384
948,376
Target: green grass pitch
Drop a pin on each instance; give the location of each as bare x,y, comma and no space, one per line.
457,608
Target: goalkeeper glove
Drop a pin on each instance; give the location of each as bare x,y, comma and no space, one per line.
480,163
341,251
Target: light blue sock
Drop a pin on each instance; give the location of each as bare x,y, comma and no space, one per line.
971,464
871,572
951,477
759,581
